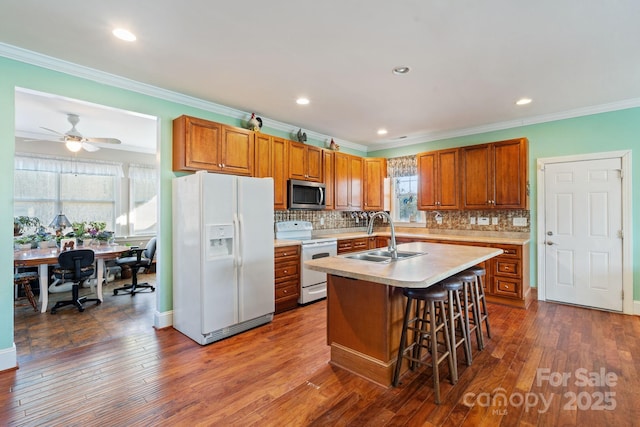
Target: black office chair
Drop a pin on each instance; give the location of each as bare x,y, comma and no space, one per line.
74,266
137,258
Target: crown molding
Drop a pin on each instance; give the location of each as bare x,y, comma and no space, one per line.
55,64
543,118
66,67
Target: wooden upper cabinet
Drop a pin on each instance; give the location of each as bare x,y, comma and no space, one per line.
375,170
237,147
329,178
439,183
196,144
200,144
271,161
305,162
495,175
348,182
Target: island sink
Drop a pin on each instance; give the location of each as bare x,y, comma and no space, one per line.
383,256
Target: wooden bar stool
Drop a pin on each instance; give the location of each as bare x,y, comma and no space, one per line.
24,279
458,333
483,313
470,303
425,323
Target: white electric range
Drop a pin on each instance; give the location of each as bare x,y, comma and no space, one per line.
313,284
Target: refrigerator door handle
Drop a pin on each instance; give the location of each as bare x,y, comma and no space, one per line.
236,234
239,240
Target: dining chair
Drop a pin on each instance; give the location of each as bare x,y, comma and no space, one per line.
75,266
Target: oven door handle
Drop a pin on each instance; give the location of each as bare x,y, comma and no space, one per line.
314,246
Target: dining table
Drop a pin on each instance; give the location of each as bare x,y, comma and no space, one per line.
44,257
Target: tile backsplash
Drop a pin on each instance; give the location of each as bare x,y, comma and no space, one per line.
497,220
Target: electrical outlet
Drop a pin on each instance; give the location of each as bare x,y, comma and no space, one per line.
519,222
494,220
321,220
472,220
483,220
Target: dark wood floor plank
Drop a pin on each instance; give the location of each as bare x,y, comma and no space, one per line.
278,375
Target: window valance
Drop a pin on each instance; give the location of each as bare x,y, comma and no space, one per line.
66,165
402,166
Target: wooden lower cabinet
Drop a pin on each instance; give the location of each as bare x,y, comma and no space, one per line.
353,245
507,278
287,277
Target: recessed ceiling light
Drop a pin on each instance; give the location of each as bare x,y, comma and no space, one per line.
382,131
125,35
401,70
523,101
302,101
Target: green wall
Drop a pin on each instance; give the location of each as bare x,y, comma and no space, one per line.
603,132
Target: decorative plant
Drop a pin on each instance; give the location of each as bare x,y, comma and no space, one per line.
22,223
25,239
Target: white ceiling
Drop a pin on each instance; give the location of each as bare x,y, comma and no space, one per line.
470,60
37,110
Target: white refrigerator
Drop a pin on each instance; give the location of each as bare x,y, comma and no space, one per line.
223,274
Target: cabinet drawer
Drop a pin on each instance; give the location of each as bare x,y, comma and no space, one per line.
507,267
345,245
510,251
287,269
284,252
360,244
287,290
508,288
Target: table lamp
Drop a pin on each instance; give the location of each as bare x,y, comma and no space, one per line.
59,222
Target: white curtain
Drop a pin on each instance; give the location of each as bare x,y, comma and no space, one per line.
137,171
66,165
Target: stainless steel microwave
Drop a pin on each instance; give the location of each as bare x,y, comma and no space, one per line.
306,195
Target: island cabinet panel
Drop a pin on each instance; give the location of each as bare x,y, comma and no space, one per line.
495,175
305,162
287,277
200,144
439,186
270,161
375,170
364,324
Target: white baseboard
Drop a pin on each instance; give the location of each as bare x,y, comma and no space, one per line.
163,320
8,358
636,307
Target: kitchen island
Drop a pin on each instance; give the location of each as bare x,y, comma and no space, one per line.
365,305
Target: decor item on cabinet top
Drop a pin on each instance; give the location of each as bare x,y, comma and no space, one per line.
302,136
254,123
334,146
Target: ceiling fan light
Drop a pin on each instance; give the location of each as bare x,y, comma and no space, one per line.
73,146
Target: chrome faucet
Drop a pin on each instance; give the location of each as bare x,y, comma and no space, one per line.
393,248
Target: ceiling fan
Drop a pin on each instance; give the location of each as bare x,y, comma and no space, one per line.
74,139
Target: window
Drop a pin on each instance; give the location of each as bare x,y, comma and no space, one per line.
404,190
143,200
87,191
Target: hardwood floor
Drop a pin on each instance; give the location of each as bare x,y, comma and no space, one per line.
278,375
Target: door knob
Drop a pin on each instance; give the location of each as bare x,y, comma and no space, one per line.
549,233
550,243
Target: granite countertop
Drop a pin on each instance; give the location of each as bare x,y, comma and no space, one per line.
439,262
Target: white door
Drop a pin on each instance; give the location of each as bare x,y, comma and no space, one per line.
583,226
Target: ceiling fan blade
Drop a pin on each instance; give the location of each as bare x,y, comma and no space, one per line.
89,147
104,140
51,130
